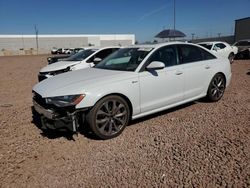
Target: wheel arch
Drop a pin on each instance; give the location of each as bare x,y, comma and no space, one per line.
211,96
222,75
122,96
214,76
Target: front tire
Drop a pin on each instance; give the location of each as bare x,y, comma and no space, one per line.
216,88
109,117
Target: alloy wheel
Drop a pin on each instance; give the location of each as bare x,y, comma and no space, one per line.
218,87
111,117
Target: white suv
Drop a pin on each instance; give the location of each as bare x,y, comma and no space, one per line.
81,60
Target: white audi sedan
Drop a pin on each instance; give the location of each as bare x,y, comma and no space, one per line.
131,83
221,48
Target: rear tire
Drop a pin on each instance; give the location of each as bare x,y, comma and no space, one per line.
109,117
216,88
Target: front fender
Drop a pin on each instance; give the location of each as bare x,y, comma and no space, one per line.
128,88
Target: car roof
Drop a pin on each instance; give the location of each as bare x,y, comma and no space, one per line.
102,47
158,45
211,42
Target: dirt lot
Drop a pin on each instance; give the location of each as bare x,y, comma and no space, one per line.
199,144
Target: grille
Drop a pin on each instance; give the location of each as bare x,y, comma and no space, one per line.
38,98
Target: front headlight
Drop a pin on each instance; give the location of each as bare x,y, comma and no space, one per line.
63,101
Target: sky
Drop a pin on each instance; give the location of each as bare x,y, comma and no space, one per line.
144,18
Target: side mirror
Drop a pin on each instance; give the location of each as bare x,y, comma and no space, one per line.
155,65
97,60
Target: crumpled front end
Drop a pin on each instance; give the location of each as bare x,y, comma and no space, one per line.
57,118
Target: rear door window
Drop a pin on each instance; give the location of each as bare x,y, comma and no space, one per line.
190,54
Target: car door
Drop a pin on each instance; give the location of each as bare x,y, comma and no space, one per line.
160,88
196,64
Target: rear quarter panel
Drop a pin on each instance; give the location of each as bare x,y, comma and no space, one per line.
222,65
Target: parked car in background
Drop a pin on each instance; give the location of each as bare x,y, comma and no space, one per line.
131,83
54,51
221,48
66,51
69,51
81,60
243,49
53,59
60,51
78,49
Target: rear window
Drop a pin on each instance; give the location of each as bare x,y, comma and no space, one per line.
207,46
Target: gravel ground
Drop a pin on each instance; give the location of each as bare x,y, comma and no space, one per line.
196,145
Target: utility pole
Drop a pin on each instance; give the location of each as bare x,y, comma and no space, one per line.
36,33
174,20
23,42
174,14
219,35
192,36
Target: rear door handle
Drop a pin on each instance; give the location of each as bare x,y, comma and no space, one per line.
178,73
207,67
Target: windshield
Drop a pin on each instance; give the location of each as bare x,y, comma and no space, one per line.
207,46
125,59
80,55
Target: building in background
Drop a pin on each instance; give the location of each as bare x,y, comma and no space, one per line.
242,29
26,44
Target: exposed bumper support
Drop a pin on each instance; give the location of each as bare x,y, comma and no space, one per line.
45,112
52,120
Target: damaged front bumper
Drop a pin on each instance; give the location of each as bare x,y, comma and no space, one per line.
59,120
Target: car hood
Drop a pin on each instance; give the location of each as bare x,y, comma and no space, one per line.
80,81
58,66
